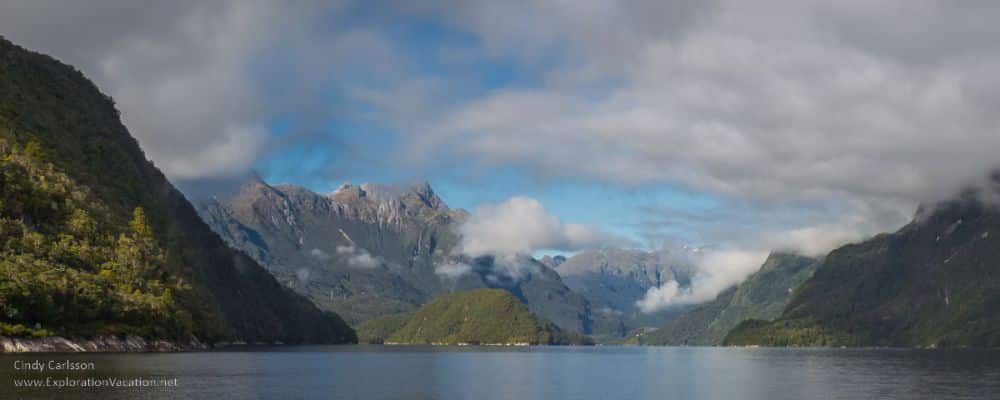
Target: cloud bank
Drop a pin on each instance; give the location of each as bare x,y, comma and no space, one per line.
844,110
816,122
521,225
715,270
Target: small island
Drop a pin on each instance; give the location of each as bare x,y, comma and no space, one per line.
484,317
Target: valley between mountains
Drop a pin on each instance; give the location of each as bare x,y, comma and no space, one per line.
99,251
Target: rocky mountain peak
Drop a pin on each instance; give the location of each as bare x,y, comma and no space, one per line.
553,262
411,199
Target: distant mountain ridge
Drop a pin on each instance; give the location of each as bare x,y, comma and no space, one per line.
613,280
382,249
369,250
933,283
763,296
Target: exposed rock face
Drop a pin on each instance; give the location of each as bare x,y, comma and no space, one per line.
370,250
612,280
359,251
553,262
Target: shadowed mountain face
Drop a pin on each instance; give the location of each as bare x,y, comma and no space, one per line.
359,250
762,296
96,241
935,282
613,280
369,250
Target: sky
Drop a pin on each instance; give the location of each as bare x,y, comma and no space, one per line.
739,126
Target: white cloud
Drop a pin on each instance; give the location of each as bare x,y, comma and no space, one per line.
522,225
302,274
715,271
319,255
357,257
777,102
182,73
452,270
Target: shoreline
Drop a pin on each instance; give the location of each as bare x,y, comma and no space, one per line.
100,344
125,344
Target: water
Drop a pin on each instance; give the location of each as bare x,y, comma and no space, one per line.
376,372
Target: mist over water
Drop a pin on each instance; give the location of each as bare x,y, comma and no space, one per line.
376,372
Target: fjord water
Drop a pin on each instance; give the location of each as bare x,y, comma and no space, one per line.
377,372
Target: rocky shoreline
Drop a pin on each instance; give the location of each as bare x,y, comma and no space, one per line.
101,344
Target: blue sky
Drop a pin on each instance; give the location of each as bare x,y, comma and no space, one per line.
354,147
777,124
744,127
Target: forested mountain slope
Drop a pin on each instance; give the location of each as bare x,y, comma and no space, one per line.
95,241
935,282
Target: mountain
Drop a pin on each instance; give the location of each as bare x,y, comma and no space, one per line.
935,282
95,241
361,251
369,250
613,280
552,261
479,316
761,296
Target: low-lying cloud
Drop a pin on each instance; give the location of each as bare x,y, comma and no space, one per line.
715,270
319,255
357,257
522,225
452,269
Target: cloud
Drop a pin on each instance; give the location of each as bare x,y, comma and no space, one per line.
809,228
182,73
521,225
319,255
357,257
715,271
452,270
775,102
302,275
816,121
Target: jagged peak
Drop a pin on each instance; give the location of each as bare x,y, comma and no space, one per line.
386,193
779,258
254,185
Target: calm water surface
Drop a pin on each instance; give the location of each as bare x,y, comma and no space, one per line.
375,372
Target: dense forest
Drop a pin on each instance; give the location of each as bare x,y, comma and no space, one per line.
933,283
479,316
95,241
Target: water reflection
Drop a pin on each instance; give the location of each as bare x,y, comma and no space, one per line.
375,372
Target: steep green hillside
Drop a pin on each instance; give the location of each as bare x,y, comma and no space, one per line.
480,316
377,330
935,282
94,240
762,296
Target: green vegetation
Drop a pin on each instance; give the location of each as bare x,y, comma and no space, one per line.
795,333
301,237
480,316
376,331
934,283
95,241
61,262
762,296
